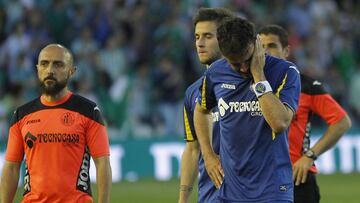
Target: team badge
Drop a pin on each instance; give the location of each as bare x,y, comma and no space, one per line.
67,119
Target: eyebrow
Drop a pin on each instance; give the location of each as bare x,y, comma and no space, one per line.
54,61
205,33
272,44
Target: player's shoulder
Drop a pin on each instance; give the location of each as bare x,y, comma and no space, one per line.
194,87
311,86
81,101
26,109
29,106
217,66
278,64
84,107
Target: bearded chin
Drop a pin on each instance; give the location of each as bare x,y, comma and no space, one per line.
53,89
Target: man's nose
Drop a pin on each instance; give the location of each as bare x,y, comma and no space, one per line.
51,69
200,42
266,50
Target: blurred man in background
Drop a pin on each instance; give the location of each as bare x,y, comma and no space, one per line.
313,100
205,21
57,133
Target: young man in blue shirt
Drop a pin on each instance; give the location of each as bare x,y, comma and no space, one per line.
257,97
205,21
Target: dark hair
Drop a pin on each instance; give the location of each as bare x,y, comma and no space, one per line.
278,31
234,36
212,14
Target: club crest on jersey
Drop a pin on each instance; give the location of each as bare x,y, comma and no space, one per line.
67,119
252,107
228,86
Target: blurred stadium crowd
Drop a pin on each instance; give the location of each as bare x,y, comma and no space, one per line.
136,57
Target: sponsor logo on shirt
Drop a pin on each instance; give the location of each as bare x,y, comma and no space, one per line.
294,67
283,188
27,187
58,138
29,139
83,180
244,106
32,121
216,116
228,86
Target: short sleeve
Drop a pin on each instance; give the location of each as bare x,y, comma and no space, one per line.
207,98
325,106
15,147
96,135
289,89
188,119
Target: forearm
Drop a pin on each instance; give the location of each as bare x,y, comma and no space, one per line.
103,180
203,126
9,182
189,170
276,114
332,135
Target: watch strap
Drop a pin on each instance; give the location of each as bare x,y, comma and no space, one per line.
264,84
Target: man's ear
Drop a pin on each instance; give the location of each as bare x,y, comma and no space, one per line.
286,51
73,70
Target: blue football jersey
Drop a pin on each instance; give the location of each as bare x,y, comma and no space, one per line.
207,191
255,160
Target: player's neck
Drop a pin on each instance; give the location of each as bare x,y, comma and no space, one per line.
56,97
243,72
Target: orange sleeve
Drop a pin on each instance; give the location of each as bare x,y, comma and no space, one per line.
15,147
325,106
97,138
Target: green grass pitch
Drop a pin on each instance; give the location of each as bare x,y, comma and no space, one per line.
335,188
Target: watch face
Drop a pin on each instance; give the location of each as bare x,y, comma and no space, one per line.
260,88
309,153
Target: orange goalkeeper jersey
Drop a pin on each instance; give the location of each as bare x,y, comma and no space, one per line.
57,140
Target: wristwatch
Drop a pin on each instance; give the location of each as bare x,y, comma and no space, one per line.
261,88
311,154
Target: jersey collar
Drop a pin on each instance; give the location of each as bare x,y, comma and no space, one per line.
61,101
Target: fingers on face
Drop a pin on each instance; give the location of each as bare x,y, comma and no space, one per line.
259,46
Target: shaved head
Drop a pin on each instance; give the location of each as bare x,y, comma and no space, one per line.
66,51
55,67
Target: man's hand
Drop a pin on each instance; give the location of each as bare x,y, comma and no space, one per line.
214,169
258,61
301,169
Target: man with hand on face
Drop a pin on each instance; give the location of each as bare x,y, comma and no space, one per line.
205,21
57,132
313,100
257,97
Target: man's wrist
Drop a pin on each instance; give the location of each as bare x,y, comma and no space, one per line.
185,188
258,77
311,154
208,154
262,87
